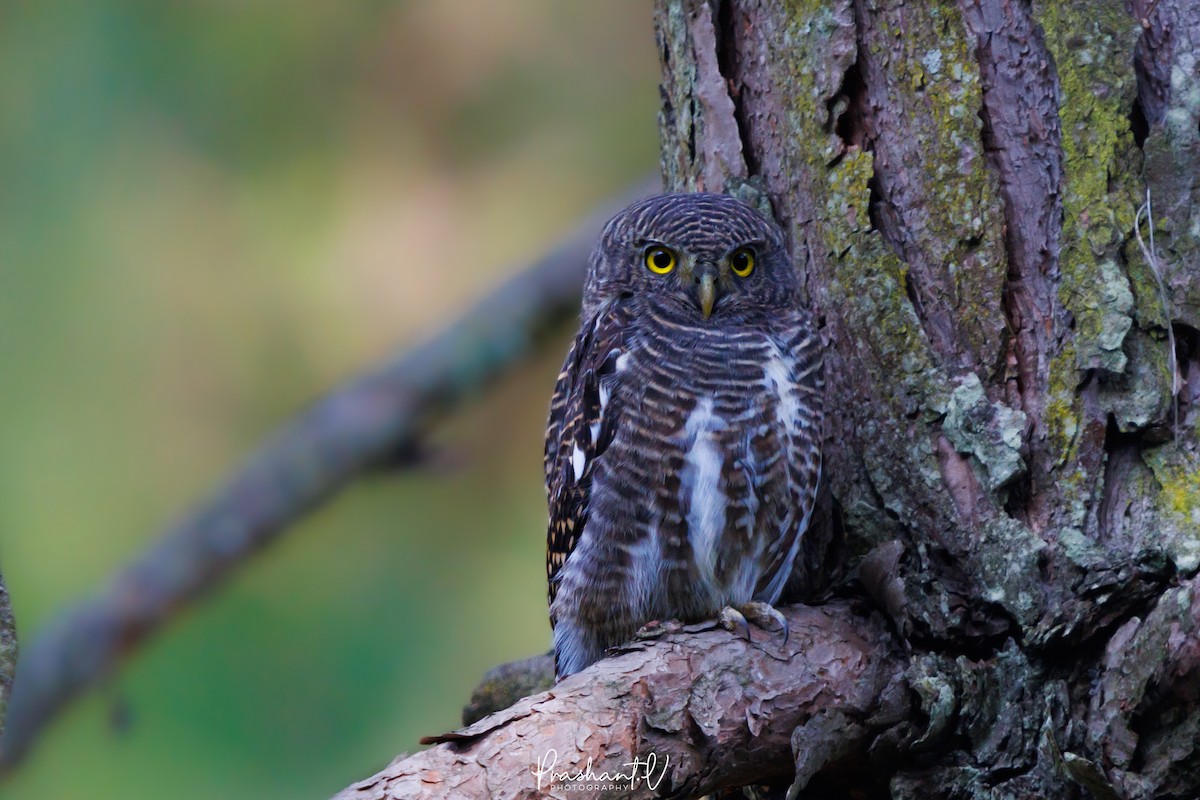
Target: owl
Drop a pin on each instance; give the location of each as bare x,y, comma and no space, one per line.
683,447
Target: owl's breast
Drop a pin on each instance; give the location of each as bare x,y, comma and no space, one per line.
716,412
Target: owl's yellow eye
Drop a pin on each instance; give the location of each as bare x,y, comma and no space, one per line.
660,260
742,261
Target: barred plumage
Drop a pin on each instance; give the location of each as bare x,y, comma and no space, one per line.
683,448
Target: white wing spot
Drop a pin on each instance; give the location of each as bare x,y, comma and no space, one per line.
578,461
595,426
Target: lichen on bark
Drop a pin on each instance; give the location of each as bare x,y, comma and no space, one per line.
991,432
1093,46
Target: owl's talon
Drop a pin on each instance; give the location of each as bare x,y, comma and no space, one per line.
735,622
763,615
766,616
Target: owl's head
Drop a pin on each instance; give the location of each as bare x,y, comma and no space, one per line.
708,255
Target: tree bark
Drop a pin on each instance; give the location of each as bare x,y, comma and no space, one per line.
995,206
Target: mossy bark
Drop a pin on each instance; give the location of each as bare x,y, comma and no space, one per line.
995,206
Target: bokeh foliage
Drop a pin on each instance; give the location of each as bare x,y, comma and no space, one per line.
212,210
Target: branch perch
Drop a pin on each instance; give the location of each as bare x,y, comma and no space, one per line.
368,422
702,709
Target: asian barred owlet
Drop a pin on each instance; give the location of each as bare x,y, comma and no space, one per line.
683,448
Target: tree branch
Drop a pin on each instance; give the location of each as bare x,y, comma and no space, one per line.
8,652
505,684
702,709
370,421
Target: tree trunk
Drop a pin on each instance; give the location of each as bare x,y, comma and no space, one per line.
996,210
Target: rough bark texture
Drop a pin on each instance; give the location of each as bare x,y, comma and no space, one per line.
710,709
1013,452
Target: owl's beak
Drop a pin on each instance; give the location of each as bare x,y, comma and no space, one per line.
706,288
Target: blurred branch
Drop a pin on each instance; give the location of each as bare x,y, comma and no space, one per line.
370,421
507,683
700,709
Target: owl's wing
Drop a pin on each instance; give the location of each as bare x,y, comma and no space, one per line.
804,423
583,417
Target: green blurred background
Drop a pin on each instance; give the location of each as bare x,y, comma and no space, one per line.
210,212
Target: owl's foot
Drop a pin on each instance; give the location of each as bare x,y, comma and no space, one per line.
763,615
